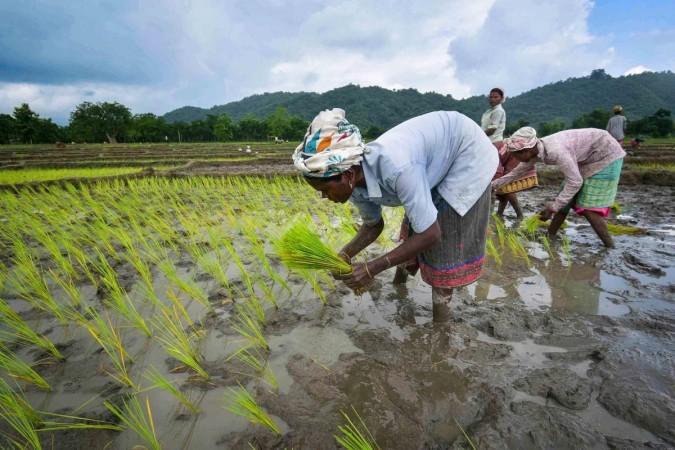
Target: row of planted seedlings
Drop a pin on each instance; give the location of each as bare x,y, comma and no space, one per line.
62,244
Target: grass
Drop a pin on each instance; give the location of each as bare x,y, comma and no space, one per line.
33,175
108,336
240,402
160,381
617,229
139,420
355,436
301,248
466,436
178,343
18,329
20,370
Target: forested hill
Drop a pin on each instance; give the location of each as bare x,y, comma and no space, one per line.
640,95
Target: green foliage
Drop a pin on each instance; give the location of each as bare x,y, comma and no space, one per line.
355,436
224,129
597,118
659,124
546,128
95,122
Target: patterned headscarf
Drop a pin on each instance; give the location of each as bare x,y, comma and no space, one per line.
525,137
331,146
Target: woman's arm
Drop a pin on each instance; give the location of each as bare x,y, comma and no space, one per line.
365,236
573,181
363,273
520,170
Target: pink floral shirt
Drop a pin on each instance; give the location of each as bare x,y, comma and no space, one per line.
579,154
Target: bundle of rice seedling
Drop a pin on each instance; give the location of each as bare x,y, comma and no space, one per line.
624,229
355,436
301,248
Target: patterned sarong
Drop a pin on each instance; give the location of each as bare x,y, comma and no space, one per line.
598,191
457,260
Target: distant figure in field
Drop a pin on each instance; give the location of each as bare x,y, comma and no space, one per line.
493,123
591,161
616,126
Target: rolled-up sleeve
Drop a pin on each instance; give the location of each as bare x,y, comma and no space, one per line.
573,181
412,189
370,212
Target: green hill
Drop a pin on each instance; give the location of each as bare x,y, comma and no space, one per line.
640,95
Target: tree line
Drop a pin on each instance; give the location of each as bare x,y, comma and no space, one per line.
659,124
114,122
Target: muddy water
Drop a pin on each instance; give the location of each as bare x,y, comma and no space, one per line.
567,353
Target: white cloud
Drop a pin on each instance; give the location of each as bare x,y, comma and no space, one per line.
526,43
56,101
636,70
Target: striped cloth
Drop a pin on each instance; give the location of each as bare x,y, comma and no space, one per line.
598,191
457,260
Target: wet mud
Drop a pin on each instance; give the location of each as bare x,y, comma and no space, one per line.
569,353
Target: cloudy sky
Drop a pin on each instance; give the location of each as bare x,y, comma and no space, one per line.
158,55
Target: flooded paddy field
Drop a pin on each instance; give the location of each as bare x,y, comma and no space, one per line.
571,347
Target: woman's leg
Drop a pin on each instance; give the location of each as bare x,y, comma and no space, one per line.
440,299
600,227
556,222
502,204
513,199
401,275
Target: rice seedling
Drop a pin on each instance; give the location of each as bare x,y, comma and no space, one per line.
20,417
30,283
531,224
139,420
133,257
567,248
160,381
241,403
245,277
500,229
176,341
107,335
68,286
617,229
21,331
492,252
117,299
257,362
17,368
189,287
355,436
248,326
301,248
466,436
616,207
516,246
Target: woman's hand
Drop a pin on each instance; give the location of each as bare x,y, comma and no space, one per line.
362,275
546,213
340,275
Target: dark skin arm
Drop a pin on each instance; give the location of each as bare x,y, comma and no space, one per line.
490,131
363,273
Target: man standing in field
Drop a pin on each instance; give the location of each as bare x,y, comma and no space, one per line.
616,126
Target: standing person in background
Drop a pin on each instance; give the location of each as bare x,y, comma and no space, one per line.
591,161
616,126
493,121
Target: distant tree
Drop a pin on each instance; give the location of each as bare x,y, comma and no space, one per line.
94,121
659,124
147,128
373,132
251,128
513,127
224,128
297,128
8,132
279,123
546,128
599,74
595,119
48,132
27,123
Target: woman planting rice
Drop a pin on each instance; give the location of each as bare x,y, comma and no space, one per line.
591,161
437,166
